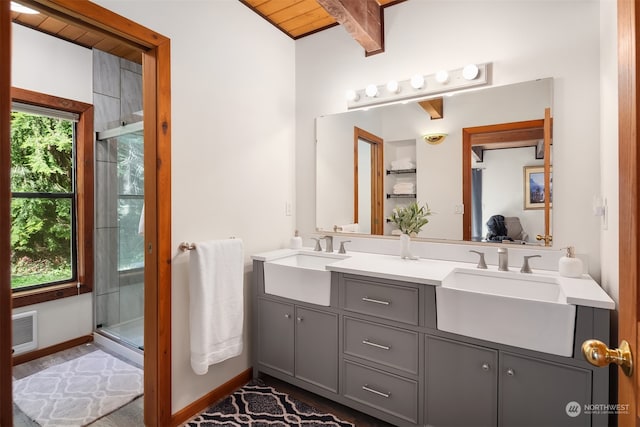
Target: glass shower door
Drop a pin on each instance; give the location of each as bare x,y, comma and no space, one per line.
120,242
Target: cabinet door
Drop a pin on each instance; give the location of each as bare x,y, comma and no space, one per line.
461,385
275,335
540,393
316,348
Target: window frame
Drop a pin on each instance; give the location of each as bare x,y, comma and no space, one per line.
84,211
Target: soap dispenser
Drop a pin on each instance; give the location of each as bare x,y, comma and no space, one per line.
569,265
296,241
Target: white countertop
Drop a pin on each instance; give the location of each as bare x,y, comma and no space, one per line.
579,291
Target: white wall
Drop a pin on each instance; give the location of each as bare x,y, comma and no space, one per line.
233,129
524,40
49,65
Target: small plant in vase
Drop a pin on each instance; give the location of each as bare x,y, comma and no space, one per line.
409,219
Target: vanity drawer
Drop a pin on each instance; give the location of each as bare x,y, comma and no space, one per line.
387,301
386,392
394,347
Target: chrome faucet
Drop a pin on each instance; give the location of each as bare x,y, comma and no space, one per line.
525,266
329,245
503,259
342,250
481,263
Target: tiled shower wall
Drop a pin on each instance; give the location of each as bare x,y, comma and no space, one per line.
117,97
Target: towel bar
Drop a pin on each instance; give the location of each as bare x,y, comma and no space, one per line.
186,246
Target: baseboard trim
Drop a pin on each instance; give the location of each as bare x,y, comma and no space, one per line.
190,411
41,352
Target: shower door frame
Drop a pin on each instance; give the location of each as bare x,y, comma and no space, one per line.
156,74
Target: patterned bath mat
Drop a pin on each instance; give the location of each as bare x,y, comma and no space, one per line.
77,392
257,406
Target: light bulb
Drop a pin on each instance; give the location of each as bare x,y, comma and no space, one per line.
352,95
393,86
417,81
470,72
371,91
442,76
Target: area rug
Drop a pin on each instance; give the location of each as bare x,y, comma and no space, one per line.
77,392
257,406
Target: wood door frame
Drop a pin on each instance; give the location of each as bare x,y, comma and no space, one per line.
629,219
492,134
377,179
157,134
6,405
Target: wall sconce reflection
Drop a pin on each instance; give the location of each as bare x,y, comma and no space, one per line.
434,138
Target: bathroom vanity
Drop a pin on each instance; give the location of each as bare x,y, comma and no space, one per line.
376,346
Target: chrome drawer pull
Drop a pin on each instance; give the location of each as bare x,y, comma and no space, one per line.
376,301
372,344
379,393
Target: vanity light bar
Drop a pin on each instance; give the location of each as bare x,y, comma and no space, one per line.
420,86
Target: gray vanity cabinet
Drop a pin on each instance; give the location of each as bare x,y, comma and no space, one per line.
465,384
316,348
377,349
300,342
275,339
461,387
535,392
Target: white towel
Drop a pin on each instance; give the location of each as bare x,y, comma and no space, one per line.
404,188
348,228
400,164
216,303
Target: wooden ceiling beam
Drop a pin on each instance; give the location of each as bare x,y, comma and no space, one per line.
433,107
363,19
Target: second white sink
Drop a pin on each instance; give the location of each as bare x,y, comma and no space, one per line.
523,310
301,276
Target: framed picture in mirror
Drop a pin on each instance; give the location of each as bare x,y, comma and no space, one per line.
534,197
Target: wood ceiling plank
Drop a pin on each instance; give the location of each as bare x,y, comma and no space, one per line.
312,27
363,19
30,20
90,38
295,11
311,18
270,7
106,45
51,25
71,32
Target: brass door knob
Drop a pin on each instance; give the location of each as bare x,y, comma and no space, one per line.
598,354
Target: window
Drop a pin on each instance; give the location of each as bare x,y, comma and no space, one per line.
52,197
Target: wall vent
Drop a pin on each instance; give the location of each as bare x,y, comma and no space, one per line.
25,332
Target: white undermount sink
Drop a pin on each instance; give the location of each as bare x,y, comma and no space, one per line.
523,310
301,276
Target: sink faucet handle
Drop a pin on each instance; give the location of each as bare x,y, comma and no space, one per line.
318,248
481,263
329,244
525,266
342,250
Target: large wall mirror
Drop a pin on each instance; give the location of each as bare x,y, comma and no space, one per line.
507,169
